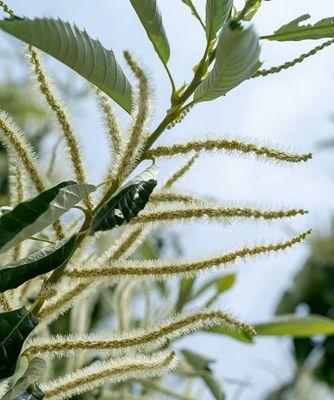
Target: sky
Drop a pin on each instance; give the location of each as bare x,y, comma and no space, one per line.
292,109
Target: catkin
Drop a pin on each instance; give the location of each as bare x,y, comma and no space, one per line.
158,334
135,140
228,145
292,63
62,120
179,214
115,371
160,270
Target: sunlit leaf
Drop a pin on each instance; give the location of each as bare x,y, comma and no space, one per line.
42,262
296,326
253,8
76,49
201,363
36,368
32,216
150,17
237,59
15,327
294,30
217,13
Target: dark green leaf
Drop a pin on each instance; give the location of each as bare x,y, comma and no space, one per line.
39,263
15,327
123,206
296,326
201,363
32,216
237,59
76,49
217,13
150,17
33,392
295,31
34,371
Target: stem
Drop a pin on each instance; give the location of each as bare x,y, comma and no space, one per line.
195,13
170,79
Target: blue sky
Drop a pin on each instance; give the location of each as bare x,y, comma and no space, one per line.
292,109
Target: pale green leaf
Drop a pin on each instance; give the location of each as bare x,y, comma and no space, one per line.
294,30
217,13
150,17
236,333
34,371
237,59
201,364
33,215
76,49
296,326
253,8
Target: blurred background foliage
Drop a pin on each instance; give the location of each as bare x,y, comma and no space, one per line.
311,293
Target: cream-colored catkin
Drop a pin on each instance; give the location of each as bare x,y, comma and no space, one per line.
126,244
227,145
16,143
169,197
123,303
200,211
163,270
114,134
62,119
112,371
15,191
181,172
292,63
136,134
153,335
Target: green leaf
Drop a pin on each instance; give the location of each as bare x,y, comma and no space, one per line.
123,205
236,333
237,59
185,292
296,326
253,8
221,283
150,17
32,216
295,31
39,263
76,49
201,363
33,392
35,369
15,327
217,13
